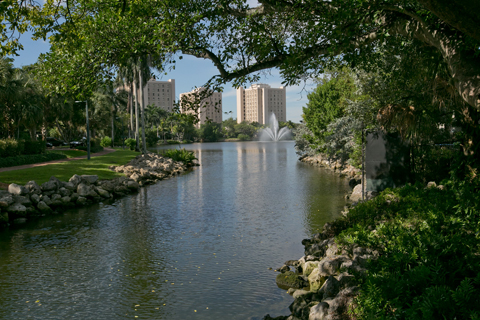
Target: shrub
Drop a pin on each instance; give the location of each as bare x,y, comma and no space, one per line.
11,147
34,147
182,155
29,159
106,141
95,146
151,137
130,143
243,137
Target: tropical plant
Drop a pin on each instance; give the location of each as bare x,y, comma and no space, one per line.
182,155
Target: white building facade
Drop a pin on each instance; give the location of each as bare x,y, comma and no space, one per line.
208,109
259,101
160,94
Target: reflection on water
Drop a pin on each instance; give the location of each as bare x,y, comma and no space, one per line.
196,246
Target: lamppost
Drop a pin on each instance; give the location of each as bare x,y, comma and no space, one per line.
88,128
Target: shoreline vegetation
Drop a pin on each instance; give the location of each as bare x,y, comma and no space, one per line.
407,253
22,202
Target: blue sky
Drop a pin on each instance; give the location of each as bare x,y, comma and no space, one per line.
191,72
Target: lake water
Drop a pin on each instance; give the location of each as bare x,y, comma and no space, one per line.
197,246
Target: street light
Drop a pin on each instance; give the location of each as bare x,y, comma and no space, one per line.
88,129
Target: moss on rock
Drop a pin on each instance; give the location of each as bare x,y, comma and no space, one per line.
291,280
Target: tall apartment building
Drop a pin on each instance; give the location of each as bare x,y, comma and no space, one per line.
257,103
209,107
160,93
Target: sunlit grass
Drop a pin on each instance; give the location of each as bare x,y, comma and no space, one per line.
65,170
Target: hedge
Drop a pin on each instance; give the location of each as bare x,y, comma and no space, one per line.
29,159
34,147
12,147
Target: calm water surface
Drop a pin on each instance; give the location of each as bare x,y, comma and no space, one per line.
198,246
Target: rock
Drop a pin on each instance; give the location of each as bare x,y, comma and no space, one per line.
283,269
84,189
357,193
33,188
56,197
64,192
291,290
18,209
330,288
3,217
133,185
74,197
300,292
31,211
22,200
120,190
330,266
81,200
20,221
316,280
346,280
319,312
75,180
103,193
431,184
108,185
6,199
66,200
90,179
70,186
56,200
35,198
16,189
43,207
290,279
135,177
49,186
46,199
309,267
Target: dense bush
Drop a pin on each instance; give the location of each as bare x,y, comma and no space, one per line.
34,147
11,148
130,143
106,142
182,155
29,159
429,245
151,137
243,137
95,146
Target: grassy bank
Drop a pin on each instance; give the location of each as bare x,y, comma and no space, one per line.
69,153
429,244
63,171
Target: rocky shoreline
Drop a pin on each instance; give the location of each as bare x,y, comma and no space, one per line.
20,203
323,282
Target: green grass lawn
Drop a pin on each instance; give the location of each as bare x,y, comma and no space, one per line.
69,153
65,170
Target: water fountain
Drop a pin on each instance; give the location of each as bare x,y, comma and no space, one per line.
273,133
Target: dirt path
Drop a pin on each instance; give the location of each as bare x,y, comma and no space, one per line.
41,164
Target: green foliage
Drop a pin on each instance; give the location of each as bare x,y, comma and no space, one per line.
243,137
210,132
29,159
11,147
246,128
183,155
151,137
131,143
106,141
95,146
428,244
34,147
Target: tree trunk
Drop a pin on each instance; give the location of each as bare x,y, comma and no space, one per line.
113,126
130,100
137,146
142,106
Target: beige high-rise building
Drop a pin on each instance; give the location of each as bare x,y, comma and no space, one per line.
160,93
257,103
209,107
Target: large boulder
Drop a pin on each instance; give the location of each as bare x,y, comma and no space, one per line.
43,207
6,199
132,185
290,279
81,200
70,186
330,288
103,193
16,189
33,187
56,200
50,185
319,311
35,198
90,179
84,189
75,180
22,200
64,192
46,199
316,280
18,209
309,267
